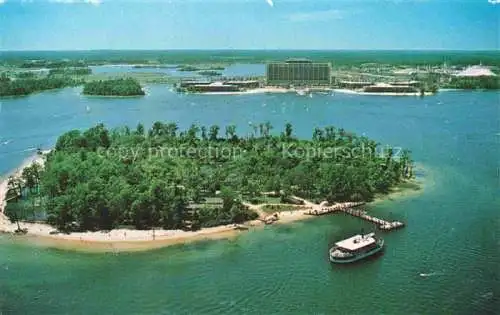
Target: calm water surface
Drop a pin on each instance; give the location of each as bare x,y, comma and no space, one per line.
233,70
444,262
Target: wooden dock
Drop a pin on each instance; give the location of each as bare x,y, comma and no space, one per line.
339,207
348,208
382,224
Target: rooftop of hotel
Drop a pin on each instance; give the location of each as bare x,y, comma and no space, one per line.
298,60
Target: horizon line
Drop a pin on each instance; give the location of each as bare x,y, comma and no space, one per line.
248,49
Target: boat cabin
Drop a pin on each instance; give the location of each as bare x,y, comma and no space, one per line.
357,242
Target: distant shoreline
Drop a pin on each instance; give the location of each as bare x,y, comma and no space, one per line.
346,91
328,90
250,91
114,96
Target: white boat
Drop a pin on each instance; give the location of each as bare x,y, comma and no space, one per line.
356,248
302,92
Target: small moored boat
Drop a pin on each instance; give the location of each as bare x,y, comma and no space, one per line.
356,248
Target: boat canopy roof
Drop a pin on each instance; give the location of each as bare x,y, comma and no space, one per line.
357,241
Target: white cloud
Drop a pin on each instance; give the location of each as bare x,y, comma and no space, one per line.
494,1
316,16
2,1
270,2
93,2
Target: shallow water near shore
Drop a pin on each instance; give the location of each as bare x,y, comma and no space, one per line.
445,261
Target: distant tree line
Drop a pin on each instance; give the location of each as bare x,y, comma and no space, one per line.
101,179
154,66
186,68
113,87
210,73
9,87
52,64
25,75
203,70
70,71
4,78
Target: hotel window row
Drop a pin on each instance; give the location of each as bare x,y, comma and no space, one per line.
298,73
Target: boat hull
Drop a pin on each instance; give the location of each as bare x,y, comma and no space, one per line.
358,257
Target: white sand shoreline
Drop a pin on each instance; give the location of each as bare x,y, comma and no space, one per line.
347,91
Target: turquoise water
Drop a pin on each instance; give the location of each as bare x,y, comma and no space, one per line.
444,262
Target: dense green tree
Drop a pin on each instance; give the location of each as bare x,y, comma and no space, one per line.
31,85
140,129
88,184
70,71
231,133
214,132
471,83
204,133
113,87
288,131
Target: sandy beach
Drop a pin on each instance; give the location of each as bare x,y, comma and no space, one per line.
346,91
133,240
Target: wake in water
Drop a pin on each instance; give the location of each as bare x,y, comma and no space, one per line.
6,142
431,274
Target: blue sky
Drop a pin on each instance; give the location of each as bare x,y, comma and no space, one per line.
249,24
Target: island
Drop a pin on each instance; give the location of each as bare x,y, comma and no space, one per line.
209,73
193,68
188,68
113,87
154,66
163,179
70,71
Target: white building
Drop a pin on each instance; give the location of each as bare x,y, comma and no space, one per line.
475,71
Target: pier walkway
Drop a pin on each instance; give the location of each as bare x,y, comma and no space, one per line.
322,209
382,224
348,208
